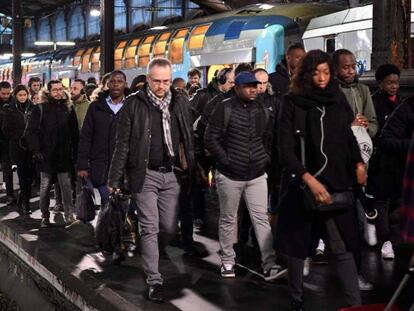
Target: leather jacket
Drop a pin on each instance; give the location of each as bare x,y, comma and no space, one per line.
133,140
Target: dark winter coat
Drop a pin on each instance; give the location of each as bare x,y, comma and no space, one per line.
203,120
394,144
280,79
381,177
298,228
133,137
14,119
203,96
4,144
241,148
53,132
97,140
407,199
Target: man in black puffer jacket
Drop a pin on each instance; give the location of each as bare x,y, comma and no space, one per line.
238,137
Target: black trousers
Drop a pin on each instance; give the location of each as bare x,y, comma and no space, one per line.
24,172
7,172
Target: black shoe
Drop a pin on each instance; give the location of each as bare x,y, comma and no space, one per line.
192,252
117,258
296,306
155,293
26,208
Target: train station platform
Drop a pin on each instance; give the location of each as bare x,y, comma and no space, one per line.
70,272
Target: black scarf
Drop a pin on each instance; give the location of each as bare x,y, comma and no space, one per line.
317,97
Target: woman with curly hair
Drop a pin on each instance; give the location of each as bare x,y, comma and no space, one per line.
319,153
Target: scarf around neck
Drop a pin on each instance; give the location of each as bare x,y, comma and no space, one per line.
163,104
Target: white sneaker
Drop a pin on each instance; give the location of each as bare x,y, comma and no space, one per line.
364,284
387,251
306,267
370,234
227,271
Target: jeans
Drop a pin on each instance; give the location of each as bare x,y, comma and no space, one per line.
157,205
66,188
254,193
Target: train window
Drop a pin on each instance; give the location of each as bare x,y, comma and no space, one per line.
95,64
119,52
144,51
176,50
77,58
330,45
197,37
85,60
161,45
130,54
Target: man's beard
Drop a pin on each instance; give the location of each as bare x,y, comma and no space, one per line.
76,97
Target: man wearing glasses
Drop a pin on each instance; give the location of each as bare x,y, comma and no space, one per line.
52,135
153,149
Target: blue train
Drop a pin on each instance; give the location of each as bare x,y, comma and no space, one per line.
257,34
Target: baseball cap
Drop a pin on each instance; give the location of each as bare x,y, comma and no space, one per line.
245,77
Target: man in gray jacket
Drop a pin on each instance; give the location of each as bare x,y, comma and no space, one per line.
357,94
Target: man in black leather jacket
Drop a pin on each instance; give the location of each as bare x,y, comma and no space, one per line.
154,147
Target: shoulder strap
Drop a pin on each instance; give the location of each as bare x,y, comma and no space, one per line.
299,124
41,115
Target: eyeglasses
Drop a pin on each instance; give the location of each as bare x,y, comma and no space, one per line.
57,90
159,82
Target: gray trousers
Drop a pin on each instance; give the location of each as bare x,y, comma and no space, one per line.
157,214
66,188
254,193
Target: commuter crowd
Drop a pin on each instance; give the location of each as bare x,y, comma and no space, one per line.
308,164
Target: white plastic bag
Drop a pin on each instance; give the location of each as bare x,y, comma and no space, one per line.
364,141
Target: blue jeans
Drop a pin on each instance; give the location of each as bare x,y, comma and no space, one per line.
104,193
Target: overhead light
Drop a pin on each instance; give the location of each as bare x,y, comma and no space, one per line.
28,54
9,55
95,12
43,43
2,57
65,43
158,28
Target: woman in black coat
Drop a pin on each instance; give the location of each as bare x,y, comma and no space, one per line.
318,110
13,124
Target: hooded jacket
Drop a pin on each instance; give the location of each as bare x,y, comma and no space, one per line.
360,101
53,132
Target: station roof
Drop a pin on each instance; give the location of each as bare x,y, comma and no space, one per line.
33,8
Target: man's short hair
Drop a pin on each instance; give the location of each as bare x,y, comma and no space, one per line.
159,61
336,57
385,70
295,46
33,79
243,67
81,81
118,72
49,84
5,85
260,70
177,80
194,72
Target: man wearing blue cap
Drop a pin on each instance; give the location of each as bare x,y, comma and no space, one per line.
239,136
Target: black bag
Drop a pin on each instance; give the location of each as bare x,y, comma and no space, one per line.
85,201
340,200
111,222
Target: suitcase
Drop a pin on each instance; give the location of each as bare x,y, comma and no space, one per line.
384,307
